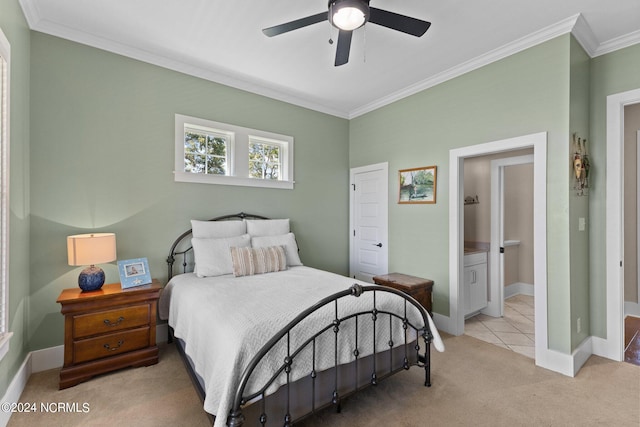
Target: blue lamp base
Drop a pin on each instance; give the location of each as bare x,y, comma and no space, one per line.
91,279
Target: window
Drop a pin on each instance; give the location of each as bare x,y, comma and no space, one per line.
206,150
219,153
5,335
264,158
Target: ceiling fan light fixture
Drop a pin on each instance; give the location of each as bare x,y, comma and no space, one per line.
348,15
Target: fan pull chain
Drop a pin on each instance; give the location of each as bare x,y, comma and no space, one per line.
330,26
364,44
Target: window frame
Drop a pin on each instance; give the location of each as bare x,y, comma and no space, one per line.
282,155
5,85
228,136
238,155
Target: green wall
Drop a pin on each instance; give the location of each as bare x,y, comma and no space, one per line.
522,94
578,205
102,159
613,73
92,150
15,29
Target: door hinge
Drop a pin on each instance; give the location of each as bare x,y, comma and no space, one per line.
354,233
354,187
501,250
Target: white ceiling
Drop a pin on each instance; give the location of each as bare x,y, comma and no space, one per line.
222,41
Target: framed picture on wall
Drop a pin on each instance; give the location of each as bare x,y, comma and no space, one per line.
417,185
134,272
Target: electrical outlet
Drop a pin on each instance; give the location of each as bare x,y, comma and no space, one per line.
582,223
579,325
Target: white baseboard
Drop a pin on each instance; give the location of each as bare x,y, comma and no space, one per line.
581,354
566,364
518,288
443,323
15,388
631,309
43,360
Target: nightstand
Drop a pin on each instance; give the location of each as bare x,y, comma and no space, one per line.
108,329
419,288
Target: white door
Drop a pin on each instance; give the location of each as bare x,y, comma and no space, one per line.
369,221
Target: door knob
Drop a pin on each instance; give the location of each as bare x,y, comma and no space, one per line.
378,245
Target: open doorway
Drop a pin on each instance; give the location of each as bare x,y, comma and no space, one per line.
498,250
613,346
631,214
543,356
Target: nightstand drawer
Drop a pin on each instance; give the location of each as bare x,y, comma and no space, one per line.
110,321
110,345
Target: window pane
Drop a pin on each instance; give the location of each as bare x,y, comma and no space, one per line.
264,161
205,153
194,163
216,165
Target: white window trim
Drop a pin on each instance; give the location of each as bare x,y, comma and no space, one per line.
238,155
227,135
284,152
5,334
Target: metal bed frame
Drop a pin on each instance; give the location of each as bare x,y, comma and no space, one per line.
408,352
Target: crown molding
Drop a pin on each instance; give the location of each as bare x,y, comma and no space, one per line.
182,65
575,24
563,27
618,43
584,35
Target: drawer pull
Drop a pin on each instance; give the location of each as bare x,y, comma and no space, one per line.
109,348
117,322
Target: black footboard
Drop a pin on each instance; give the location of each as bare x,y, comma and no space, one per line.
236,417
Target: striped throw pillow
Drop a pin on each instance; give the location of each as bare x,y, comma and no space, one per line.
249,261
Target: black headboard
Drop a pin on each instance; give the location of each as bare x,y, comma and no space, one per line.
181,247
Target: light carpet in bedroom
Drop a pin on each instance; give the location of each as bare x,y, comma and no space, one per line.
474,383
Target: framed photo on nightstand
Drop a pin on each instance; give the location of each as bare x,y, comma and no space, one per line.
134,272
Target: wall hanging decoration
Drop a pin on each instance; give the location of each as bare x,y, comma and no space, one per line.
580,166
417,185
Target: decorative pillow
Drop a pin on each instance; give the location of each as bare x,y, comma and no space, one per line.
287,240
217,229
267,227
212,256
249,261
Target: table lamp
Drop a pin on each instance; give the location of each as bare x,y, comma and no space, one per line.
91,249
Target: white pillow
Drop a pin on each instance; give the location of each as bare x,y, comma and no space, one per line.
287,240
217,229
267,227
213,256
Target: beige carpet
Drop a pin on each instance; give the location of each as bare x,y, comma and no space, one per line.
474,383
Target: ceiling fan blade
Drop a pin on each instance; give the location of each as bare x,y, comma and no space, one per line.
343,48
405,24
294,25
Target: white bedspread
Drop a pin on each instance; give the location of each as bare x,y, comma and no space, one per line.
225,320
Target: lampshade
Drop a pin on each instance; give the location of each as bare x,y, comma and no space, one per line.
348,14
90,249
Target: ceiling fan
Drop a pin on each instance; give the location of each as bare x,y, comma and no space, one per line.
349,15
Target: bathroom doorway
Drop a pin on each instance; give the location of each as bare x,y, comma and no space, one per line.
498,245
538,141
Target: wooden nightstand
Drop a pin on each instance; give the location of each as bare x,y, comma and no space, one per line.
419,288
108,329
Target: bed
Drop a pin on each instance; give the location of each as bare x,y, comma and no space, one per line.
267,340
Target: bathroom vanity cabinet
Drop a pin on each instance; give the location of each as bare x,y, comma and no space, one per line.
475,281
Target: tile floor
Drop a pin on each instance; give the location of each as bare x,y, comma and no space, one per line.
514,331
